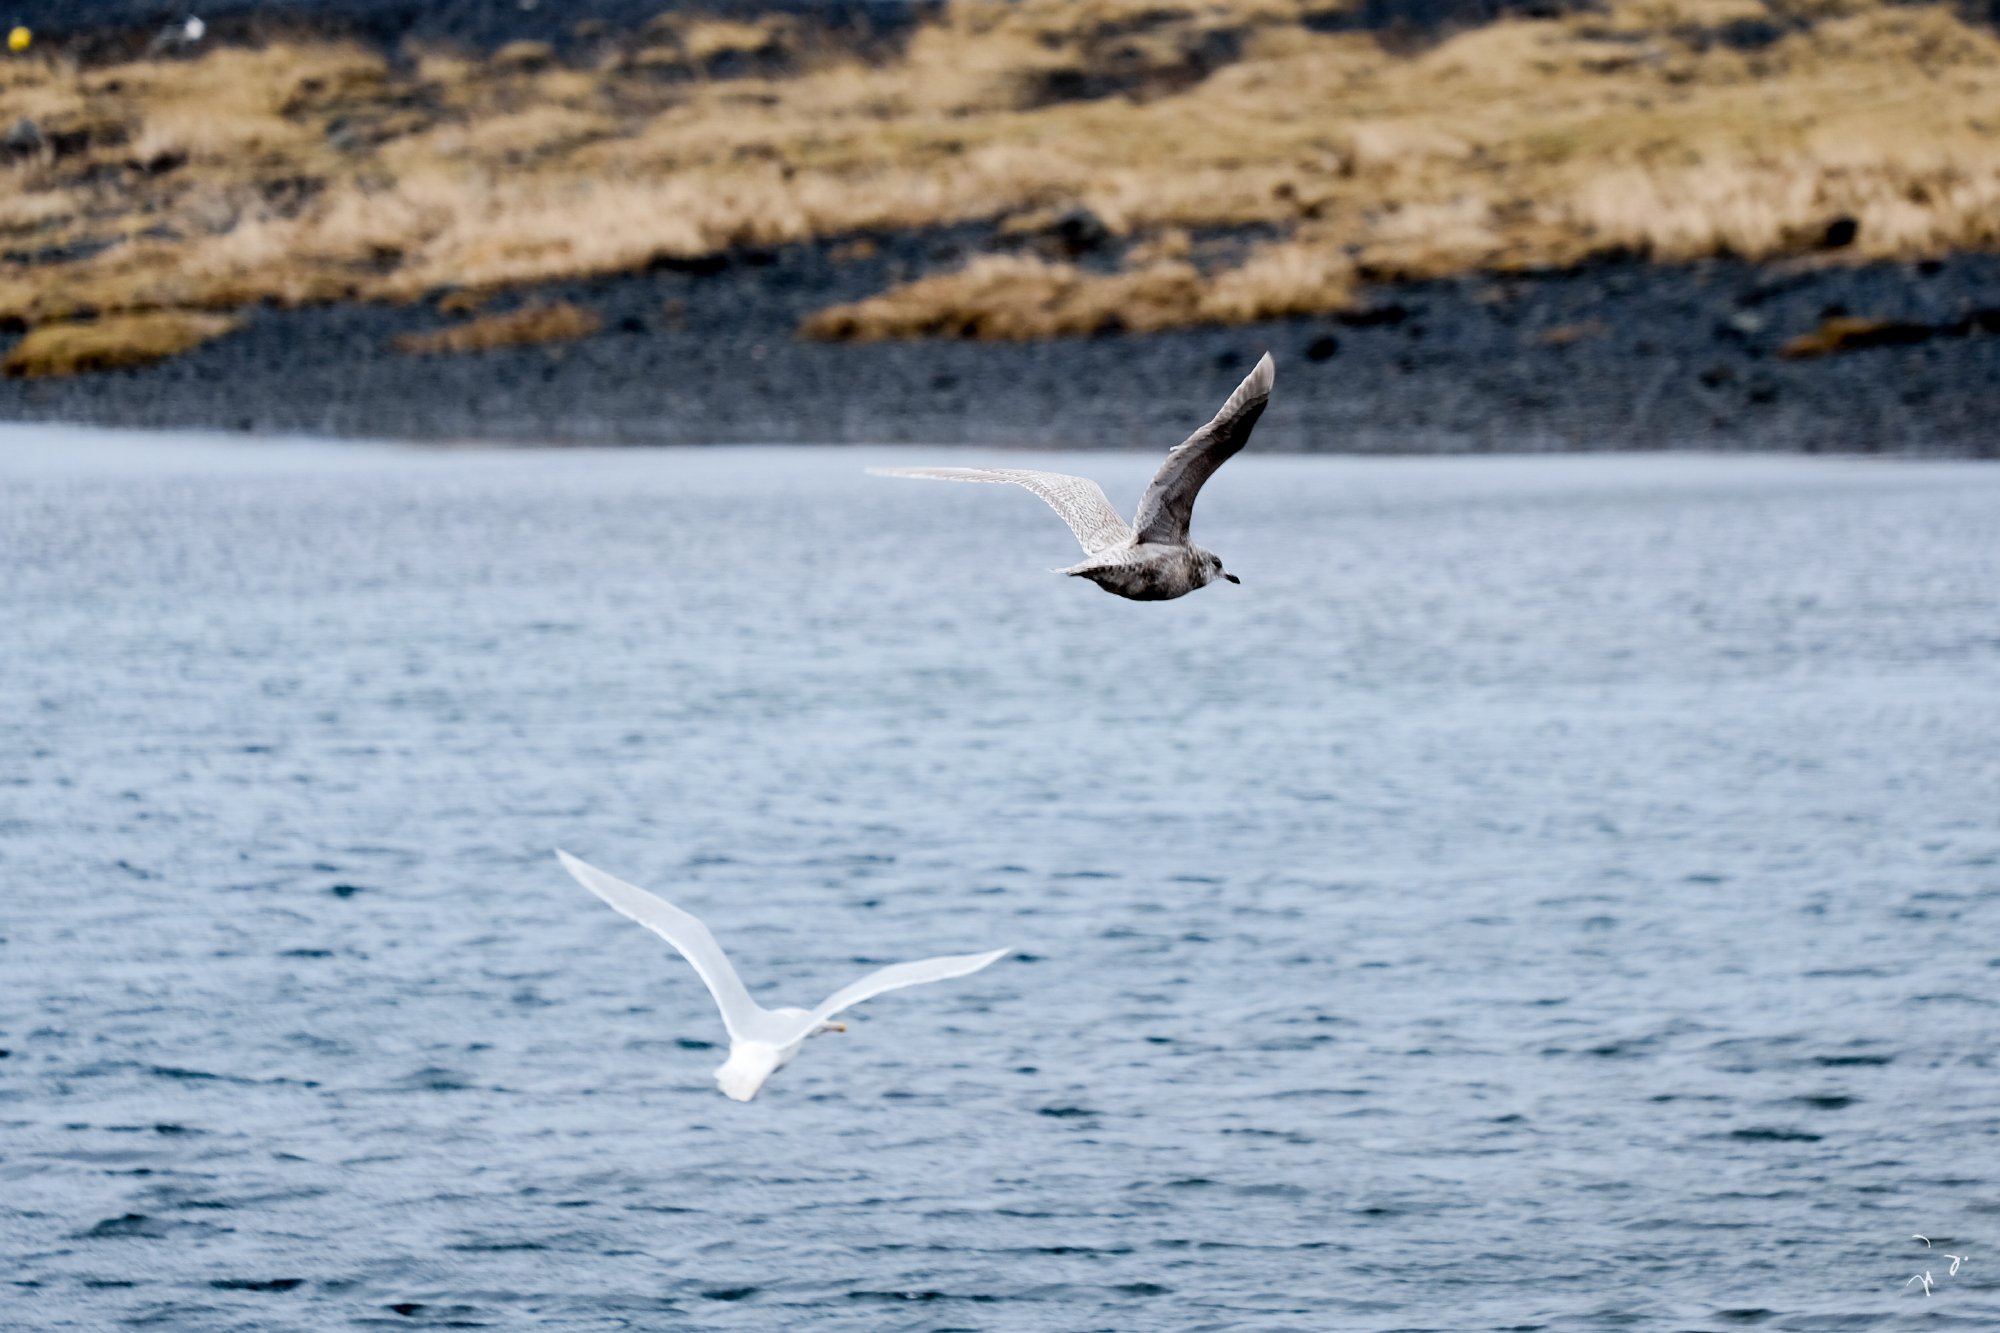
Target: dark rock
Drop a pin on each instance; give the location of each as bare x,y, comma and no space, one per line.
1072,235
699,265
23,140
1080,231
289,196
1840,233
69,143
1369,317
1748,34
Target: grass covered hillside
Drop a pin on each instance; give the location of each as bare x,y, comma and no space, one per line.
1150,166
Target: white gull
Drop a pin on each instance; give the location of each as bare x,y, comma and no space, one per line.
760,1040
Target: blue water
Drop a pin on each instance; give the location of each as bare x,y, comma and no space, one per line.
1550,893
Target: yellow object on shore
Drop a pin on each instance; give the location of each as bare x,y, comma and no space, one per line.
18,39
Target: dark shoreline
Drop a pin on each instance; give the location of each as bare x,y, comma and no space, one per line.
1616,356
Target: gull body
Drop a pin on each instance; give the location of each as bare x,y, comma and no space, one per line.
1152,559
761,1041
750,1062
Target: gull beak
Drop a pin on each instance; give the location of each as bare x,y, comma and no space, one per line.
838,1027
1232,578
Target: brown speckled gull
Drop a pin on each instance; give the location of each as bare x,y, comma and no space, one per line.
1152,560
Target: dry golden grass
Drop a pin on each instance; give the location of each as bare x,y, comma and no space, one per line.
1012,297
112,343
320,173
702,40
27,214
517,328
1846,334
1019,297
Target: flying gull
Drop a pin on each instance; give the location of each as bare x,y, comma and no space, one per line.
760,1040
1153,560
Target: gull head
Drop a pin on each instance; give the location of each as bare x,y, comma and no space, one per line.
829,1027
1210,565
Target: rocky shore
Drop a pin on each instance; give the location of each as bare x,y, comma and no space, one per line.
1891,358
98,31
1814,353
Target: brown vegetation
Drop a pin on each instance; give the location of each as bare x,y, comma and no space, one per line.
517,328
1019,297
112,343
1670,128
1846,333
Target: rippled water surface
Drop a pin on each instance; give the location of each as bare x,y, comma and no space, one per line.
1550,893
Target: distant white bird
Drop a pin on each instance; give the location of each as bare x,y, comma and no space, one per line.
1152,561
761,1040
189,33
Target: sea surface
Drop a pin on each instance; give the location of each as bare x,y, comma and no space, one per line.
1550,893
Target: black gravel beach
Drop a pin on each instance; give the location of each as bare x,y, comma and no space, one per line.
1614,356
1815,353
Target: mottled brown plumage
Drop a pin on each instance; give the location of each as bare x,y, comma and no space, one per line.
1152,560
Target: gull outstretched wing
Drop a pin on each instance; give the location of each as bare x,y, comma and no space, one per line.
1168,506
742,1015
898,975
1079,500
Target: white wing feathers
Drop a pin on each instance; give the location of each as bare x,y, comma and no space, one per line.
898,975
1079,500
743,1016
1168,506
